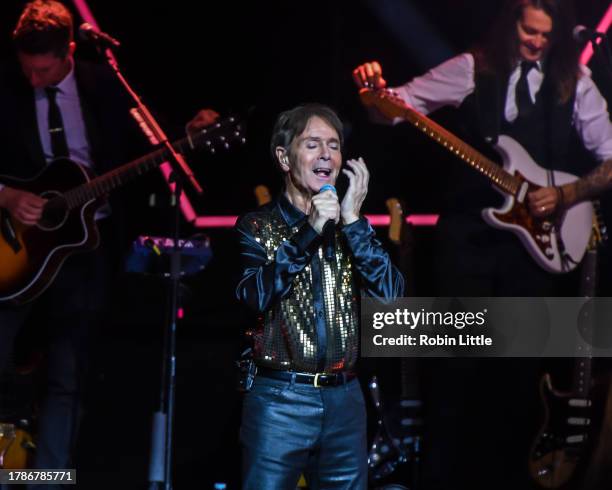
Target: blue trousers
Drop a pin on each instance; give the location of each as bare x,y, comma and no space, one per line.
291,428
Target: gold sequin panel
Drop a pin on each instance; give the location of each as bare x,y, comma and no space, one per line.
287,339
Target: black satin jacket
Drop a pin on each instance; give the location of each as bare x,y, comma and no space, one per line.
309,306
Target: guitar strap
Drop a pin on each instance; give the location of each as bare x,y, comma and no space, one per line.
566,258
558,130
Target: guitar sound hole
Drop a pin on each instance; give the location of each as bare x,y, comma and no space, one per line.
55,211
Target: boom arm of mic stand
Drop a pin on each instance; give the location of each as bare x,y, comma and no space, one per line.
150,125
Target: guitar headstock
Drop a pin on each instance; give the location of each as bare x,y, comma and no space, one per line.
387,102
396,213
222,135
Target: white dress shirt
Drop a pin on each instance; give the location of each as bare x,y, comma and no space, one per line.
452,81
69,103
72,116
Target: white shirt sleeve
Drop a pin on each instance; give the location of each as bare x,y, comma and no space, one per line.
452,81
446,84
591,118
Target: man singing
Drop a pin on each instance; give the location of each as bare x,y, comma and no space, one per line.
305,412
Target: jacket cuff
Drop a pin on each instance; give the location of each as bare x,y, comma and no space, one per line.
362,225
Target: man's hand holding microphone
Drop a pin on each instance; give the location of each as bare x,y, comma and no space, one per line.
326,210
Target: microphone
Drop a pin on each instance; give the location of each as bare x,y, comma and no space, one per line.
90,33
583,34
329,231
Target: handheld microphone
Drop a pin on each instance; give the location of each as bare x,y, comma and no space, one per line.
583,34
90,33
329,231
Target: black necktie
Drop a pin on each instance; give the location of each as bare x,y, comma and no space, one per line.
523,99
59,146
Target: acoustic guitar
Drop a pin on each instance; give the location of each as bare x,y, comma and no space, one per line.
31,256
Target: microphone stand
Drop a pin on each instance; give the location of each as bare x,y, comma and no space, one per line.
150,126
160,464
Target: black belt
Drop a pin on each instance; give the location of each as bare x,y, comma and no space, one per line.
317,380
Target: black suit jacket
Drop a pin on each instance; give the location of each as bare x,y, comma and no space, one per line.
113,136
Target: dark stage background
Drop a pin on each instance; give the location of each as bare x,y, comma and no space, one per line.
253,59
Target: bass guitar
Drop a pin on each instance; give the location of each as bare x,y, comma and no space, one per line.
565,436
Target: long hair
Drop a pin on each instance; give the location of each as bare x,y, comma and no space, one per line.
500,51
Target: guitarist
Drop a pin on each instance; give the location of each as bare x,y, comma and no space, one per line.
54,106
524,81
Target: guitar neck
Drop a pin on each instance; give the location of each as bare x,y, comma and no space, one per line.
588,284
472,157
104,184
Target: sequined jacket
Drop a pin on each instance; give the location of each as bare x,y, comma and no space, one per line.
309,307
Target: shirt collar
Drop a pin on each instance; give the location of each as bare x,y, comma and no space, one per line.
289,212
68,85
539,65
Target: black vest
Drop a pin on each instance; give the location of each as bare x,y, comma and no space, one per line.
545,134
